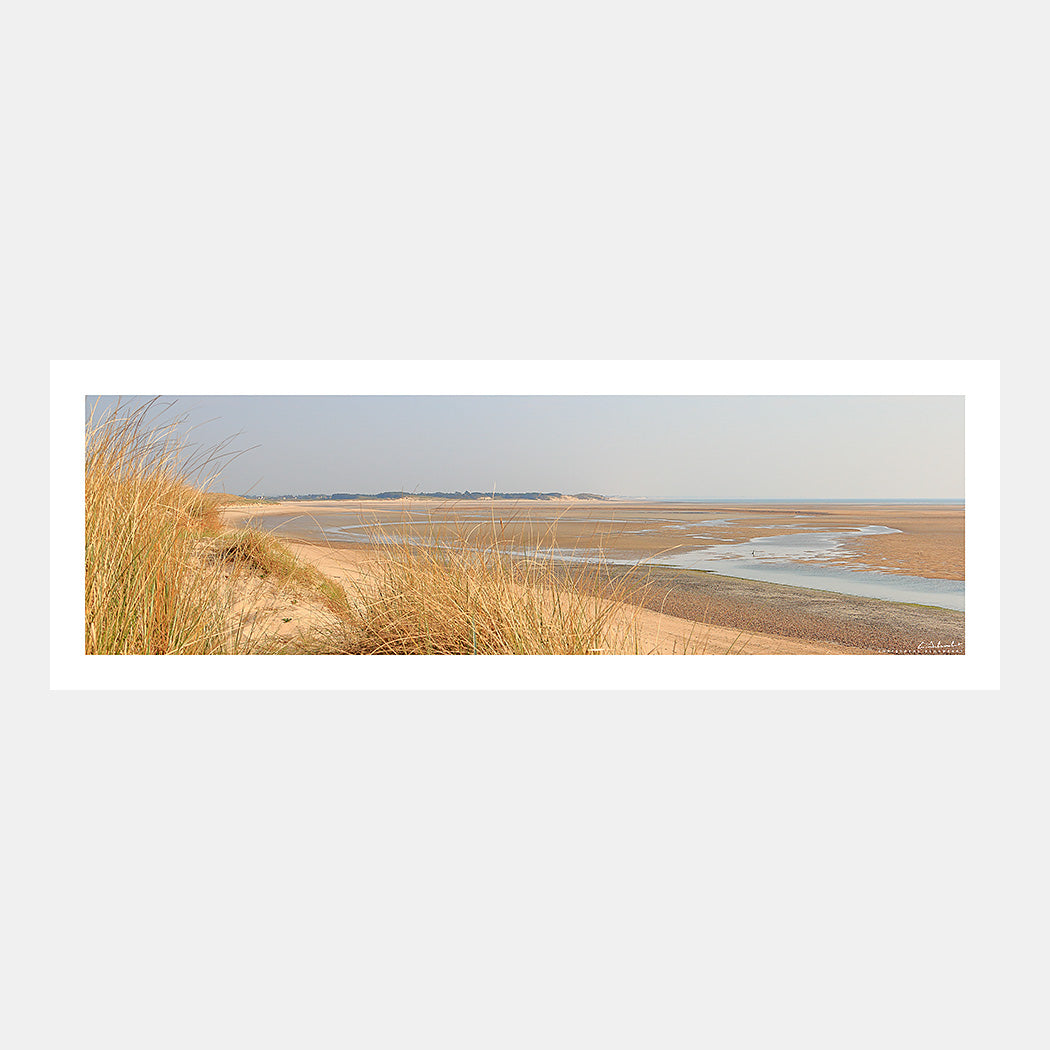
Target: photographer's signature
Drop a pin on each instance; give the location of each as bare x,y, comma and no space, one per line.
927,648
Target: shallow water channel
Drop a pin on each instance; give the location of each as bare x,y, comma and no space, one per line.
803,559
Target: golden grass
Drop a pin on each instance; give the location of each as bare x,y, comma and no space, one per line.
145,592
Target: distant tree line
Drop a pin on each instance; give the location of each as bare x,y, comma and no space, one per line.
464,495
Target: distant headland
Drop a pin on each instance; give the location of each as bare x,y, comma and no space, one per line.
435,495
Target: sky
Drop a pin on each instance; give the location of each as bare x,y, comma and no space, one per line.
649,447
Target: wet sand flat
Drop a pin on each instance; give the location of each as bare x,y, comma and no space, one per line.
930,540
930,543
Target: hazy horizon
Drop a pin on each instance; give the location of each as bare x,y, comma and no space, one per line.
713,447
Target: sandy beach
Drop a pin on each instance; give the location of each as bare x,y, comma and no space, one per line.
675,608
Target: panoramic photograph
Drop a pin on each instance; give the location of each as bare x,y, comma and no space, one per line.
497,524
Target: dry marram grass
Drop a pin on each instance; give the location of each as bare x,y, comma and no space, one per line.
144,591
454,599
